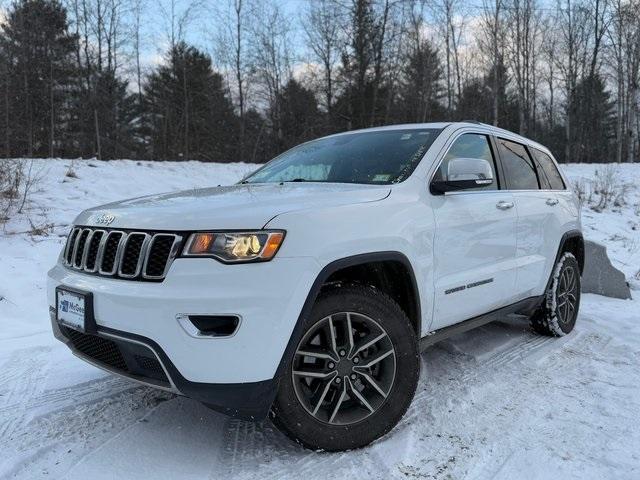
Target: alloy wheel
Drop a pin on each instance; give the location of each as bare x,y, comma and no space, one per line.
566,295
344,368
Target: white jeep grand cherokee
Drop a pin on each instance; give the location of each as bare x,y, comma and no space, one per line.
308,289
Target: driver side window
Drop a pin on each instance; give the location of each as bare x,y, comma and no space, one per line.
469,145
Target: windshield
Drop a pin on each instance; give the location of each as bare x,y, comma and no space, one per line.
382,157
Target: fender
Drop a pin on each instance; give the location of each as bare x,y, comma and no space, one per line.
324,274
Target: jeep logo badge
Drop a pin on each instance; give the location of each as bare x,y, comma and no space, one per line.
105,219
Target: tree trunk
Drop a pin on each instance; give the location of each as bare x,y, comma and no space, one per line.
97,129
51,113
239,79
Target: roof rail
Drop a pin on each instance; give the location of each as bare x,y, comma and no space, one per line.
473,121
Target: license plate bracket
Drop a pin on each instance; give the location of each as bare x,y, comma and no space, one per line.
74,309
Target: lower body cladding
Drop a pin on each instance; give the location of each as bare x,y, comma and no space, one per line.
142,330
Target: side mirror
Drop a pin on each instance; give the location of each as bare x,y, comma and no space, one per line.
462,174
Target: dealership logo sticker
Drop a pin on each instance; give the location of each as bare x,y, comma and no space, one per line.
105,219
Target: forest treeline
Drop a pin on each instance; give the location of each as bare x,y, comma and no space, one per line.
74,81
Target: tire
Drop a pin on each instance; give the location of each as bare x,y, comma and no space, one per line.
346,410
558,315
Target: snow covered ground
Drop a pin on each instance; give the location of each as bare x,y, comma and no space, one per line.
498,402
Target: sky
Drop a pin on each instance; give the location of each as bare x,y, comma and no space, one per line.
202,25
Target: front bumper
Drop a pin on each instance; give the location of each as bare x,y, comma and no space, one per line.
120,353
232,374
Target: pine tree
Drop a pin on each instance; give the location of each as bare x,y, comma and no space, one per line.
353,105
593,135
37,74
421,89
188,115
299,116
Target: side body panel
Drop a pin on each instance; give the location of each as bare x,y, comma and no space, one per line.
538,236
474,255
474,246
544,216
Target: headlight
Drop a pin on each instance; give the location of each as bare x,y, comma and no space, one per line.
261,245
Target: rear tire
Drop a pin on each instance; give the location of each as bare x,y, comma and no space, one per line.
344,391
558,315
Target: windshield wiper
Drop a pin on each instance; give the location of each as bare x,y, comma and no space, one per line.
295,180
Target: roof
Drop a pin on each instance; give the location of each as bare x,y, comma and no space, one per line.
442,125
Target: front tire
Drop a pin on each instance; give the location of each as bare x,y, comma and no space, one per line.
354,372
558,315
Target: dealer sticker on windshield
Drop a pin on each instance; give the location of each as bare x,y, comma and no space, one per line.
71,309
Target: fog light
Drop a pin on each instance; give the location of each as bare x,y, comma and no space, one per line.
206,326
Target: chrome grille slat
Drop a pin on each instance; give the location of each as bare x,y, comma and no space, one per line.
173,251
140,256
78,251
114,266
100,253
132,255
87,251
69,246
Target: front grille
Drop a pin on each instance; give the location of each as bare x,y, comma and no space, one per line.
149,364
98,348
124,357
121,254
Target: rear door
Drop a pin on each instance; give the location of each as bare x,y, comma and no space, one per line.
538,227
562,208
474,240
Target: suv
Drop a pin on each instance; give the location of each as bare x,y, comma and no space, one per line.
307,290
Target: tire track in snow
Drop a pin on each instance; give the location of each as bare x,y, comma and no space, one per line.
66,436
517,352
275,456
73,395
249,442
22,380
576,343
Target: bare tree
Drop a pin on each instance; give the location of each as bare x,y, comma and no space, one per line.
524,29
491,38
623,33
177,15
573,22
325,39
632,55
231,47
137,11
549,54
449,17
272,57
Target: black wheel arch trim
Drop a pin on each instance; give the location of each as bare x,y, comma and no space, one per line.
570,235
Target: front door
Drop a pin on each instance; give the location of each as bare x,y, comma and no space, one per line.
475,242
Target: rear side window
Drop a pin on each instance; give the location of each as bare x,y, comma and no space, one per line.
550,177
518,167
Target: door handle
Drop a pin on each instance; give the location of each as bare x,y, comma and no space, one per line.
502,205
552,201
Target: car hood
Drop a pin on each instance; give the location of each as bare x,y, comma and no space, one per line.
233,207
